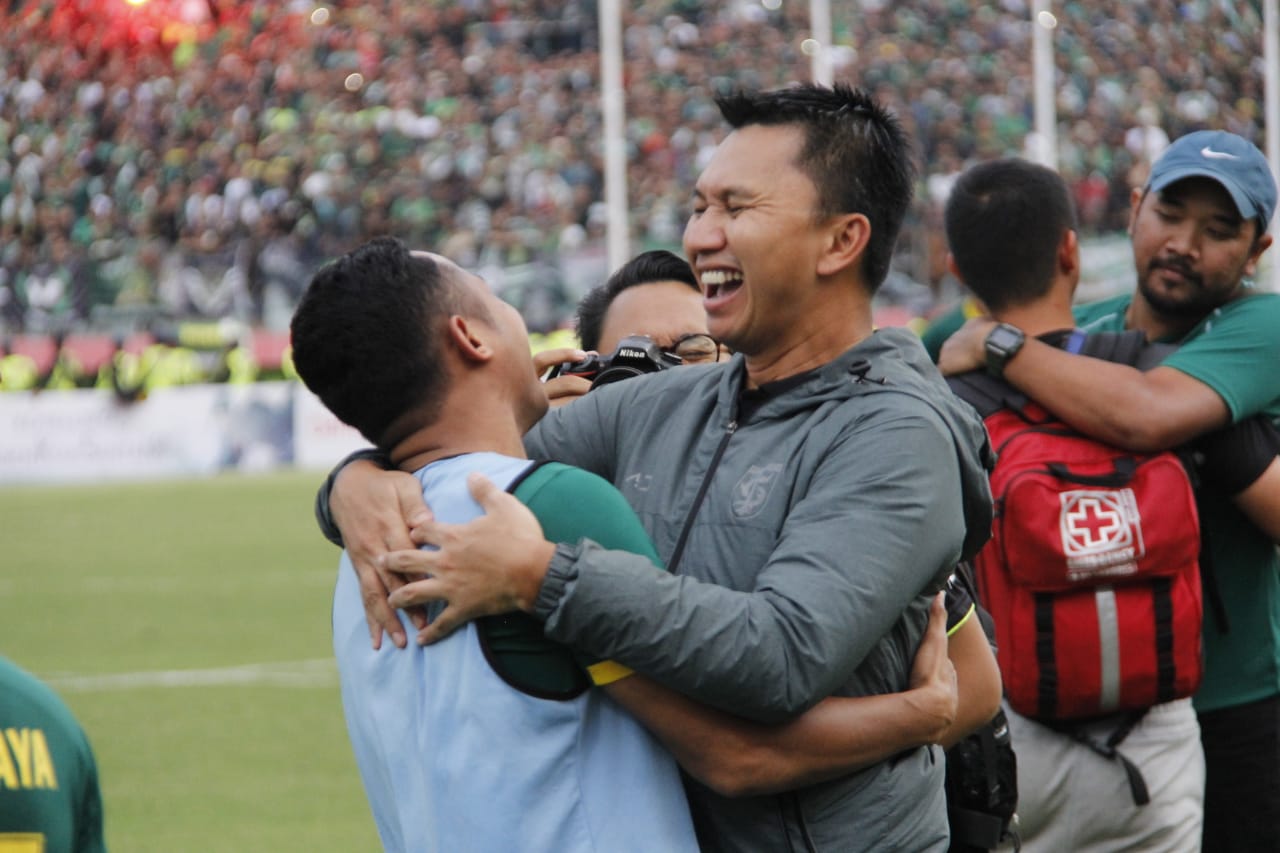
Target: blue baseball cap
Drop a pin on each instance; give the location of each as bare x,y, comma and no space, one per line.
1231,160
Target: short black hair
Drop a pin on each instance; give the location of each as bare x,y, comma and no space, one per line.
367,338
644,268
1005,220
855,152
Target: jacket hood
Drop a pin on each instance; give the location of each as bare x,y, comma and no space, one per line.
893,360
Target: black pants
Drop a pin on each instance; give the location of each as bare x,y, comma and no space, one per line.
1242,777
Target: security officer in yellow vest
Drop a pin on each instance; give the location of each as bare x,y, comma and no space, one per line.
18,371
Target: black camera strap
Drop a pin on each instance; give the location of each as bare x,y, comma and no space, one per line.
673,564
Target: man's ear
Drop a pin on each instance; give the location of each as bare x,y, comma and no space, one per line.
954,268
1069,253
847,241
469,339
1135,201
1251,266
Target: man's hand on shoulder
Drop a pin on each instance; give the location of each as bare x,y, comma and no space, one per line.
966,349
492,564
375,509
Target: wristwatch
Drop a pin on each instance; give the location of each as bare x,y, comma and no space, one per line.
1002,344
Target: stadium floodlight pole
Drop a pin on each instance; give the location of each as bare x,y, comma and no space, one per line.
612,99
1043,23
820,25
1271,98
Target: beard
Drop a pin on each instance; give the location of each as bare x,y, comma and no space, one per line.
1195,302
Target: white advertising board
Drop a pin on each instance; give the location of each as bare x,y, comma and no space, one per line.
89,435
319,439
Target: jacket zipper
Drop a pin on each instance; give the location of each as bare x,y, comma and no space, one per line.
729,430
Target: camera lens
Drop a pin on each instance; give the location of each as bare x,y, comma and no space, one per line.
617,372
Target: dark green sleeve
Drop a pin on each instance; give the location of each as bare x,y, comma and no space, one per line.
570,504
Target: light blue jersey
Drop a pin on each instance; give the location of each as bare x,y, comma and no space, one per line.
453,759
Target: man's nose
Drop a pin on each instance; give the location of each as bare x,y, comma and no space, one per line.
703,233
1183,239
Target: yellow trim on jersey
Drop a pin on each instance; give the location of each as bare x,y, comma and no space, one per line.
607,672
21,842
968,614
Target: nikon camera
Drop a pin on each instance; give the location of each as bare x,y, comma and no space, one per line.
635,355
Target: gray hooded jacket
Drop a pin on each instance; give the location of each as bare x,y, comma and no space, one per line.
805,540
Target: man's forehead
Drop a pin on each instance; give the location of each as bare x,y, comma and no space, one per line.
664,310
724,173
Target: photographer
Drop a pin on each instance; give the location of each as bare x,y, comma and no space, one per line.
655,294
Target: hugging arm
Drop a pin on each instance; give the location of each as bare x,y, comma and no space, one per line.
827,596
977,680
1152,410
737,757
369,509
1210,380
955,688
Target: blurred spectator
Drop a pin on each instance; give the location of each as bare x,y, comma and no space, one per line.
195,160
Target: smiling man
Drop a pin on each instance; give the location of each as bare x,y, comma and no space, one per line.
807,495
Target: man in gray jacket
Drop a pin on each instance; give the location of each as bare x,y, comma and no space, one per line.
808,495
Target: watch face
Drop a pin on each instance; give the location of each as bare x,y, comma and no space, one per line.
1002,339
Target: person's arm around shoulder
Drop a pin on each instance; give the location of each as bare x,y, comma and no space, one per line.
824,599
728,753
369,510
1153,410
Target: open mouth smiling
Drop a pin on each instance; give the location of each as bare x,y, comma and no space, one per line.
720,284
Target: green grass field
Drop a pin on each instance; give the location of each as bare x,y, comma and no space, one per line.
187,626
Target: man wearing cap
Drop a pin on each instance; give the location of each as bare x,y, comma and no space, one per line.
1199,227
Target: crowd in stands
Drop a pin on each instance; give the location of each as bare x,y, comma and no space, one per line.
196,159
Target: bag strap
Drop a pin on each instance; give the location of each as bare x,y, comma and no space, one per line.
1209,583
1108,749
988,394
1129,348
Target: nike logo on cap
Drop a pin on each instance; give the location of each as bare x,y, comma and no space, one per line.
1210,154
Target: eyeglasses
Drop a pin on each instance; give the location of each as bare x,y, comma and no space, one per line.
695,348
